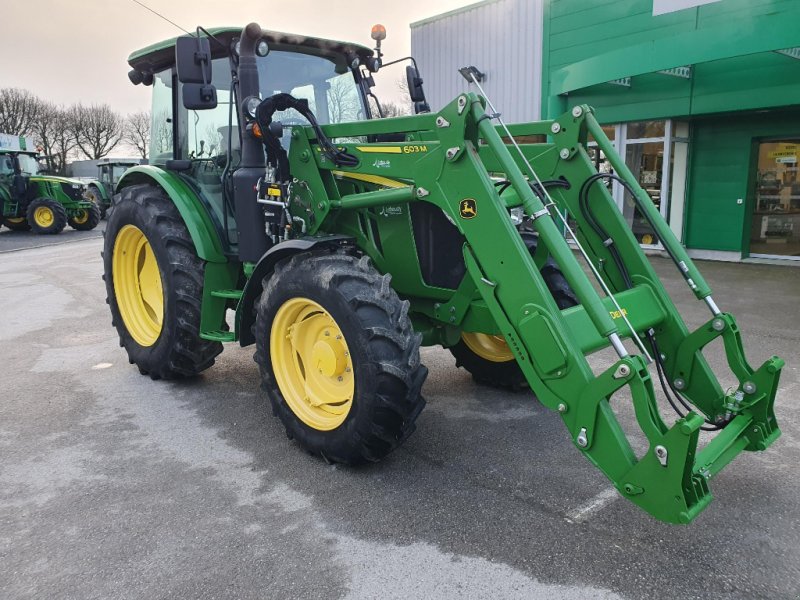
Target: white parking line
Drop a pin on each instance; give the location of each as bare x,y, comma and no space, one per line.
584,511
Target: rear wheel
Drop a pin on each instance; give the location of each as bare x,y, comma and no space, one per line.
86,219
16,223
488,357
46,216
338,357
154,285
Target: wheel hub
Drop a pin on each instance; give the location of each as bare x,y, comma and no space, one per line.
328,358
43,216
137,285
312,364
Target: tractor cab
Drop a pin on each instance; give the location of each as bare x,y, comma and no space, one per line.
199,137
16,169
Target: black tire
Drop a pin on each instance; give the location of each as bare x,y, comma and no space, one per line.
507,374
179,350
87,220
57,222
384,351
21,225
94,195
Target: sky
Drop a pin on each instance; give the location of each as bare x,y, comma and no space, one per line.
76,50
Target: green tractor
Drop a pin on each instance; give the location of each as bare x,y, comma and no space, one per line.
42,203
101,190
340,244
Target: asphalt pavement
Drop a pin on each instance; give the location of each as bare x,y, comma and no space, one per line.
115,486
11,241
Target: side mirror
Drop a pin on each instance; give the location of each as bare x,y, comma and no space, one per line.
193,59
199,96
415,90
193,63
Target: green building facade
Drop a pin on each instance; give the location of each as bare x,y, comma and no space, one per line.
702,97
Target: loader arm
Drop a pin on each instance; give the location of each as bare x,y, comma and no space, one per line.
452,160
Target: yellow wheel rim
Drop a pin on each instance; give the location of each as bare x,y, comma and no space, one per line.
15,220
312,364
44,217
81,218
137,285
490,347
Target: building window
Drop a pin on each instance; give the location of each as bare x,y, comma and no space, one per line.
775,228
645,144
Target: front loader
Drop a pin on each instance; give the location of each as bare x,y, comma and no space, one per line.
341,243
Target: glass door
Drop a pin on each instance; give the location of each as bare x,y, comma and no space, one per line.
775,222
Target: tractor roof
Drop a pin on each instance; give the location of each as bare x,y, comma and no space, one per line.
161,55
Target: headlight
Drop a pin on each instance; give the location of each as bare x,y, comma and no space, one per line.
262,48
517,215
251,105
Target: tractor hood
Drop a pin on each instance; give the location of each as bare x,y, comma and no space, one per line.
57,179
157,57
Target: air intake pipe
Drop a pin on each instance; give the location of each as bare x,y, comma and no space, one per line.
253,241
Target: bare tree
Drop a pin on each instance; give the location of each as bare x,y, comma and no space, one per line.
137,131
162,132
65,139
98,129
343,101
18,111
389,109
54,131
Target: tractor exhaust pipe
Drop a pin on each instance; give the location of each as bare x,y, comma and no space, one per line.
253,241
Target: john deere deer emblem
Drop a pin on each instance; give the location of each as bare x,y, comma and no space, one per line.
468,208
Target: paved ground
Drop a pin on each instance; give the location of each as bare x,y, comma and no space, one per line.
114,486
17,240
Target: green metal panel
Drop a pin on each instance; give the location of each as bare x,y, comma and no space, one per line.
194,214
720,174
588,45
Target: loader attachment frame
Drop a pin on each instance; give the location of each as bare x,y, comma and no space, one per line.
452,160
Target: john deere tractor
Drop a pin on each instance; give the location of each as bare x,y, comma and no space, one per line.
42,203
101,190
339,244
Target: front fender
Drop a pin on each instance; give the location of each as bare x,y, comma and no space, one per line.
201,228
245,315
100,188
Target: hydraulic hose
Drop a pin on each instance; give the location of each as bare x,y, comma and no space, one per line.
583,203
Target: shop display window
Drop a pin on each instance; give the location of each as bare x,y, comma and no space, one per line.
775,227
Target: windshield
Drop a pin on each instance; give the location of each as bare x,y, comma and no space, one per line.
28,164
333,97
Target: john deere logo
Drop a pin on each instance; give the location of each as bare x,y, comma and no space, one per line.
468,208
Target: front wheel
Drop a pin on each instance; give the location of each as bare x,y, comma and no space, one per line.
338,357
85,219
46,216
94,195
154,285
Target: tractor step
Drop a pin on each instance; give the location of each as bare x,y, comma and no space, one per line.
231,294
218,336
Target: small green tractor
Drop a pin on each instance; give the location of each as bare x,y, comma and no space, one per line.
340,244
42,203
101,190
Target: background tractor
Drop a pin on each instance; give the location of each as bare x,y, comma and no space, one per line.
101,190
340,244
42,203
